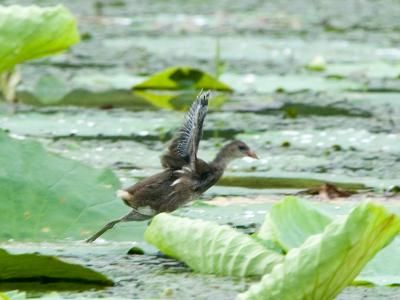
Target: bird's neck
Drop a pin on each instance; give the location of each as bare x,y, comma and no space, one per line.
217,168
222,160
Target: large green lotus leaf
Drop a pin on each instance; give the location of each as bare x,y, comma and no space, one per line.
29,32
177,78
266,235
291,221
327,262
209,248
47,197
38,269
17,295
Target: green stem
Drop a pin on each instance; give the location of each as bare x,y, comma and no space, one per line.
8,83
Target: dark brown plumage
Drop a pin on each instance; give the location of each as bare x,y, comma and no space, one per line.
184,177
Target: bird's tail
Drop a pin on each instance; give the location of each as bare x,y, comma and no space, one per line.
124,195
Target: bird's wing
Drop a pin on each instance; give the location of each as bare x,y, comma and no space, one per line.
183,148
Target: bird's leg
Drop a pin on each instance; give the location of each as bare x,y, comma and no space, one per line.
108,226
131,216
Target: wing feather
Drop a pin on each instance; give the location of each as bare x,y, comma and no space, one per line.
183,148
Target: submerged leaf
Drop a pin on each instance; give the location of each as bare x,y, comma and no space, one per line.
178,78
264,182
49,89
42,269
177,100
209,248
326,263
29,32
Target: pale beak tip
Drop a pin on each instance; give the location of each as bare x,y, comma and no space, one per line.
252,154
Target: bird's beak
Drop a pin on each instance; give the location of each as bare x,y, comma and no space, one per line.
251,154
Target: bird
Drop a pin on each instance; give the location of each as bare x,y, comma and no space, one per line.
184,176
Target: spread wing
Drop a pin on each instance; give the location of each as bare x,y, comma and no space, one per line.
183,148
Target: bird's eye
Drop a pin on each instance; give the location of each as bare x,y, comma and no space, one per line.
242,147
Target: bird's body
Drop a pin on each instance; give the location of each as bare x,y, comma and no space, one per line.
177,187
184,176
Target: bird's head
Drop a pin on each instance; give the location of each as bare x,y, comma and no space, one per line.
239,149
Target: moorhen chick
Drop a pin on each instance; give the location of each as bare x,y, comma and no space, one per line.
184,177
